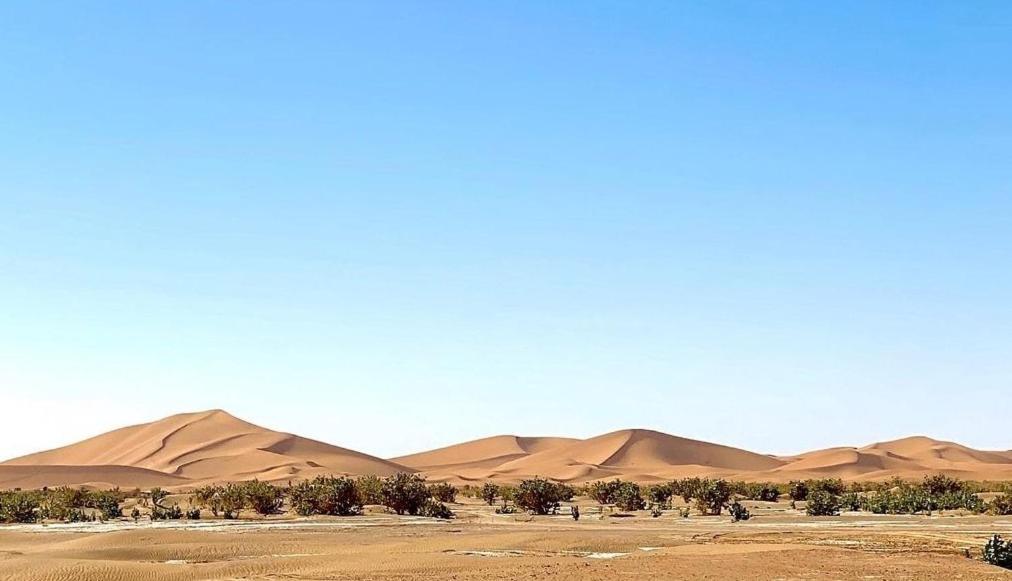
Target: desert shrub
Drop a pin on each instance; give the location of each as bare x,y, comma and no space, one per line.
687,488
604,492
940,484
232,499
998,552
208,497
798,490
405,493
764,491
541,496
683,512
263,497
1000,505
628,497
78,515
328,495
156,496
833,486
170,513
107,503
489,491
712,496
655,511
822,503
19,507
660,494
434,509
506,509
738,512
443,492
370,489
850,501
193,514
959,499
135,514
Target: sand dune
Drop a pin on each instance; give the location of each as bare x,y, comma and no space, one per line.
910,457
212,446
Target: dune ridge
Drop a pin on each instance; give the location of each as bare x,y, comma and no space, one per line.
185,450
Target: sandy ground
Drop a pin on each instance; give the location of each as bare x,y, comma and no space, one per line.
776,544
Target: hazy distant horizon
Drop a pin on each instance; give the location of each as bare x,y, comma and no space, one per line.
392,228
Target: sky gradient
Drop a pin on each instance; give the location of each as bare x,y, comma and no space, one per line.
393,226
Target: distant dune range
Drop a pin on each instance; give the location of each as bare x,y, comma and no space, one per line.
187,450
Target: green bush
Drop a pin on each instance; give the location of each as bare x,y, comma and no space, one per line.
850,501
822,503
443,492
19,507
107,503
798,490
604,492
1000,505
263,497
763,491
998,552
489,492
232,500
541,496
687,488
738,512
335,496
405,493
660,494
370,489
434,509
712,496
833,486
628,497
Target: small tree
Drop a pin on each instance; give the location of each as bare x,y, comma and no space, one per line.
798,490
405,493
443,492
1000,505
660,494
712,496
370,489
998,552
263,497
19,507
434,509
822,503
489,491
326,495
628,497
738,512
541,496
604,492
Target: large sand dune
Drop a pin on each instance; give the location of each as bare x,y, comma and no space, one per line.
213,446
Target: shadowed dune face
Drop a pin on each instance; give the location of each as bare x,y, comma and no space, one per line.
202,447
213,446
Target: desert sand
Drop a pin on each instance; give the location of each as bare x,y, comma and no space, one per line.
213,446
777,543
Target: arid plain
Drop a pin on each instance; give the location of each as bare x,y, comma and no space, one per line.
779,541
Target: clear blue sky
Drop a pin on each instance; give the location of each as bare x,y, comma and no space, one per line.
777,225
